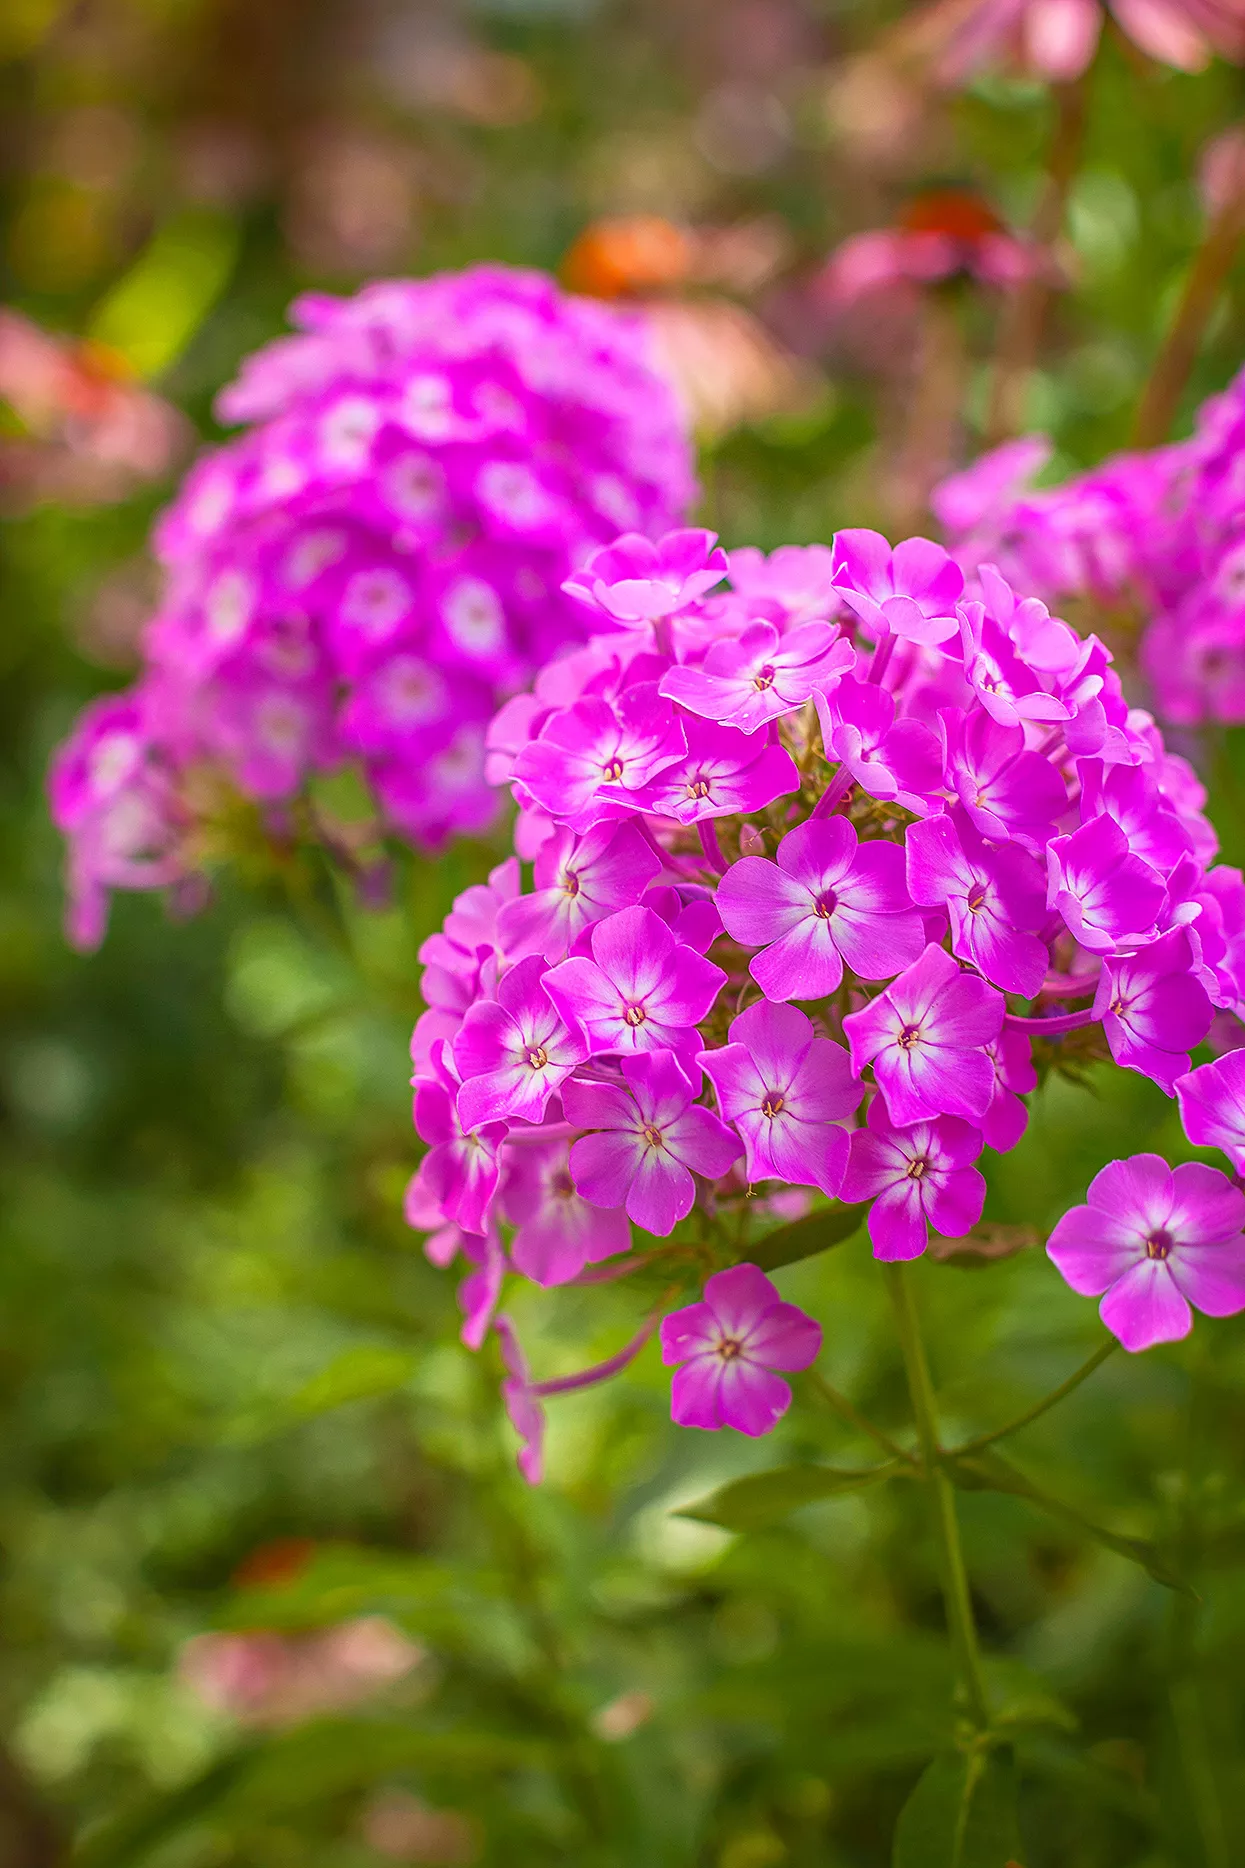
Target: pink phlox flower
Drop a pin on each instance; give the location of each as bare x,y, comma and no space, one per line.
1212,1106
590,759
558,1231
689,911
1153,1008
513,1052
579,880
925,1037
725,772
1156,1240
526,1415
917,1177
1107,896
1008,791
911,591
636,581
889,758
649,1138
827,899
1007,688
729,1346
786,1091
459,1172
1007,1118
515,724
641,990
799,578
760,676
1220,932
995,895
1130,795
973,500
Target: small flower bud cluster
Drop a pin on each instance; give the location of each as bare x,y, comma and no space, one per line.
366,571
825,865
1155,536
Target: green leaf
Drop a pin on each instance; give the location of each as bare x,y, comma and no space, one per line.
962,1814
356,1375
153,311
763,1498
804,1238
126,1840
988,1471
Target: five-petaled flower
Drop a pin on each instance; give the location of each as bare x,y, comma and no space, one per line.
925,1037
916,1177
787,1091
1156,1240
642,990
727,1347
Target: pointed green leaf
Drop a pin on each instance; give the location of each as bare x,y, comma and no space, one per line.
988,1471
804,1238
962,1814
763,1498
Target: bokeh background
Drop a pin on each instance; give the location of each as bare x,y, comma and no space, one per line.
271,1591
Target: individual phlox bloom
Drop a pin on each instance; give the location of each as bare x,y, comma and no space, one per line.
916,1177
1106,895
579,880
827,899
593,756
650,1138
1006,790
1156,1240
1006,686
725,773
1153,1008
636,581
888,758
786,1091
558,1231
527,1416
1007,1118
1212,1106
799,578
1130,795
460,1170
924,1037
515,1051
761,675
910,592
729,1346
641,990
994,894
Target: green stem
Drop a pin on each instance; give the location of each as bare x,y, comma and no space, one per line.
854,1418
959,1606
1056,1395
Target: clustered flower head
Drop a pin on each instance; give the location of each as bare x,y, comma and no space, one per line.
829,862
373,564
1155,538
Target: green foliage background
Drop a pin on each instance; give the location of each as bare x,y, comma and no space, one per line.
215,1329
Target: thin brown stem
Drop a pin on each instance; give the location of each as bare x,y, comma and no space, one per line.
1178,352
929,444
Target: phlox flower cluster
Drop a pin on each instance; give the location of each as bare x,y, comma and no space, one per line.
1156,537
377,560
828,862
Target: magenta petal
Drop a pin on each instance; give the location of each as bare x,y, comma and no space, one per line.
1092,1249
1144,1307
897,1225
661,1192
738,1296
694,1393
784,1338
691,1331
1212,1277
751,1399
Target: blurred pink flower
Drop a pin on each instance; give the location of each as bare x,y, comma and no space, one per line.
940,235
263,1678
1057,39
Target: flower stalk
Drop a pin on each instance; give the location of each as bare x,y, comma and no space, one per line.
955,1589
